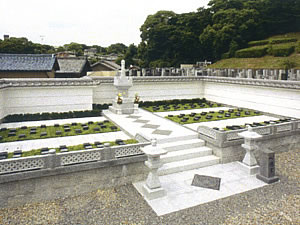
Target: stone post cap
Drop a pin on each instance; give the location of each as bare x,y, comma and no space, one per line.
106,145
249,134
52,151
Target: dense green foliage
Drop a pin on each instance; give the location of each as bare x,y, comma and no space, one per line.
24,46
169,39
253,52
281,50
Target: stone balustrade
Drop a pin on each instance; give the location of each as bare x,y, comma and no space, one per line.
82,159
229,138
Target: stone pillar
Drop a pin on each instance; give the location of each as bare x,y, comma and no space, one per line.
249,73
298,75
267,167
163,72
249,161
152,188
107,153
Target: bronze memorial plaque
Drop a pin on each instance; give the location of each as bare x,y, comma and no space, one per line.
206,182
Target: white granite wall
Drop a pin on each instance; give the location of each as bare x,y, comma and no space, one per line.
151,91
2,113
267,99
47,99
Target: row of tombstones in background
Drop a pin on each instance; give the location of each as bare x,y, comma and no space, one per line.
62,148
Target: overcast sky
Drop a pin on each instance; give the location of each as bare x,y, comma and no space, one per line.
58,22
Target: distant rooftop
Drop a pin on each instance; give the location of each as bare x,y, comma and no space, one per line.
71,65
110,64
28,62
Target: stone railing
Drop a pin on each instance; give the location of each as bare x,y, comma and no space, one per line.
254,82
229,138
94,81
46,82
61,160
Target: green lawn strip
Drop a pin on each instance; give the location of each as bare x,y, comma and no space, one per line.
51,131
181,107
36,152
214,116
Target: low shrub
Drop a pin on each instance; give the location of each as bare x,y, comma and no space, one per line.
253,52
281,50
171,102
298,47
50,116
283,40
258,43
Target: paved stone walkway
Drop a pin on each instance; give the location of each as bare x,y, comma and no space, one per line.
181,194
151,125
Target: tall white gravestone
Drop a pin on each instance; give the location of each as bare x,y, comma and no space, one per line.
122,104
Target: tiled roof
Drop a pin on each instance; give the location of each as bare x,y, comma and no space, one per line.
110,64
71,65
27,62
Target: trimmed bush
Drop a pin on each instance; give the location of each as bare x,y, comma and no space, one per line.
258,43
253,52
283,40
50,116
298,48
281,50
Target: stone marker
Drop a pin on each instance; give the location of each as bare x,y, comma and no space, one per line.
206,182
267,167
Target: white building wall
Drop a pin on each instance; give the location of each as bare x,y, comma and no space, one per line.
281,101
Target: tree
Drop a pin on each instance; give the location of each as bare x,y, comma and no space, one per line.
117,48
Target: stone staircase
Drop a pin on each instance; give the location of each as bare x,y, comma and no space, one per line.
186,155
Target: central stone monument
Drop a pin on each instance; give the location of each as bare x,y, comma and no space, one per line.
122,104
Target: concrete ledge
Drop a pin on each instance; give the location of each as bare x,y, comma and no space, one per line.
69,181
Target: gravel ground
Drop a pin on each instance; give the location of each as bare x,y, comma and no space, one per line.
278,203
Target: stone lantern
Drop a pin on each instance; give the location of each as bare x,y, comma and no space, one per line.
152,188
249,161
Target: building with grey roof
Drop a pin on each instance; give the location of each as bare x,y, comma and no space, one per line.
105,65
73,67
28,65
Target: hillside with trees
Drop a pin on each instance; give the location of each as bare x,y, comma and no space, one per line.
225,26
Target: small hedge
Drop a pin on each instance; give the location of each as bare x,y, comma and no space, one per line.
50,116
283,40
298,48
258,43
281,50
253,52
97,109
171,102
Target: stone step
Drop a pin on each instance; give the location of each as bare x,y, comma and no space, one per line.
179,138
186,154
189,164
181,145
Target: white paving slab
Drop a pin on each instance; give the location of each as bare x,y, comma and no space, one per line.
230,122
68,141
136,125
163,114
181,194
52,122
